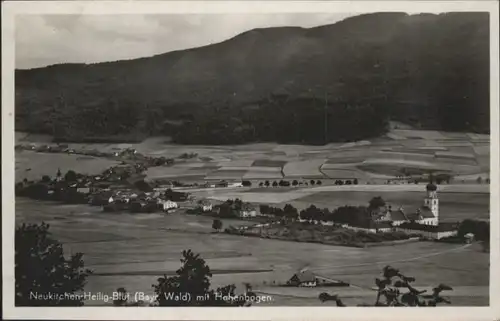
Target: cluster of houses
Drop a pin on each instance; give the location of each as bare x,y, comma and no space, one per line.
135,201
114,189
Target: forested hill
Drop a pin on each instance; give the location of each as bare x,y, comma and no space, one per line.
277,84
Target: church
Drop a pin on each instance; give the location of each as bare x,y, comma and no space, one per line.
427,214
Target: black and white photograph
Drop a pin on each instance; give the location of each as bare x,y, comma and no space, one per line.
238,156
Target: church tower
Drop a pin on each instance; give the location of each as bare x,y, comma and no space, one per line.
432,202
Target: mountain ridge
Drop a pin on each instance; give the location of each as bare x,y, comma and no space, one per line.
364,65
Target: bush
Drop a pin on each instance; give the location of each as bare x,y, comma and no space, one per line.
70,176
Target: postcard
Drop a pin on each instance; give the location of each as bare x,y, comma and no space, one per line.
250,160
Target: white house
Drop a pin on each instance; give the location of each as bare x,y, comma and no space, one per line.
248,211
206,206
84,190
168,204
235,185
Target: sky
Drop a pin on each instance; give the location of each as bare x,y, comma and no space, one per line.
43,40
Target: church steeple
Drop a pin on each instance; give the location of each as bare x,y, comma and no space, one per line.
431,201
58,175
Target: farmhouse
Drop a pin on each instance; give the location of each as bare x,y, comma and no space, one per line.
303,278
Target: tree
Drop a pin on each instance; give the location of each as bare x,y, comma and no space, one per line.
267,183
312,182
479,180
265,209
246,183
318,182
290,212
58,173
376,203
70,176
355,181
261,184
46,179
238,204
41,268
275,184
191,286
143,186
295,182
217,225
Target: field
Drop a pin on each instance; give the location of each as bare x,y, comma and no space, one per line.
32,165
414,151
134,250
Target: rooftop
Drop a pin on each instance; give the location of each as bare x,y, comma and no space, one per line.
304,276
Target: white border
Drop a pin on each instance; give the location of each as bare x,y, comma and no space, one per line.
10,9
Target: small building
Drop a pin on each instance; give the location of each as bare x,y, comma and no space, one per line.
469,238
206,206
235,185
84,190
222,183
175,196
248,210
303,279
167,205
